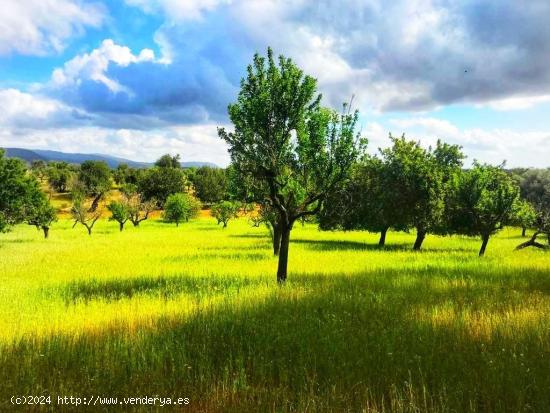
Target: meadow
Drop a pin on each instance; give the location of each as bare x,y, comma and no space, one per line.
196,312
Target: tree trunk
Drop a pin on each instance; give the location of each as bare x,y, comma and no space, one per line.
276,239
89,230
121,226
420,235
523,231
177,223
46,231
283,255
75,222
485,239
136,223
533,242
382,240
95,203
225,224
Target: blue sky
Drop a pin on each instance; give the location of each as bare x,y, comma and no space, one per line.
139,78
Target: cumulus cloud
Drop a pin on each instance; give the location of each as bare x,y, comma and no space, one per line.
517,148
37,27
22,110
194,143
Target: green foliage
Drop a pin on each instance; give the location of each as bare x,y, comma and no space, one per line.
210,184
95,177
59,175
168,161
524,215
18,190
120,212
224,211
422,179
485,200
355,329
181,207
285,148
158,183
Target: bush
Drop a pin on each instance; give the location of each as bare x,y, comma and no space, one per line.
181,207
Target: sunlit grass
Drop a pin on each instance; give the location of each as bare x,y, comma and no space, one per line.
195,311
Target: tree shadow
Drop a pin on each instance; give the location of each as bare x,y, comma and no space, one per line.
165,287
337,245
337,343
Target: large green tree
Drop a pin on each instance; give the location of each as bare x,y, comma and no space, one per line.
291,150
160,182
484,201
210,184
18,191
421,180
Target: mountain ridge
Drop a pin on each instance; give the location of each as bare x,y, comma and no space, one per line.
29,155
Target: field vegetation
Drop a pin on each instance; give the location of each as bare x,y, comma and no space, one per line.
195,311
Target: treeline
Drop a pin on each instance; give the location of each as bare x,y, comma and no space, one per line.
180,193
408,187
293,160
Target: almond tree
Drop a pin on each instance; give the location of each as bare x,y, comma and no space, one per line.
291,150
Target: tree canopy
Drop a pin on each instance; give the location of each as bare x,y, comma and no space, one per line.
289,150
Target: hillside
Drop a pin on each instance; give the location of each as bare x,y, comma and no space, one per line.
29,155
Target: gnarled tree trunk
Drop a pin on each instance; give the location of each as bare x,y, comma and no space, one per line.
46,230
533,242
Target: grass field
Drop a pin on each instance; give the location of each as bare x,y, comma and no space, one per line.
195,312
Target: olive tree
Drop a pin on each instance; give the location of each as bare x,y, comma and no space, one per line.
292,151
82,214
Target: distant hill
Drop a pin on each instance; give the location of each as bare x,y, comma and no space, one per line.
29,155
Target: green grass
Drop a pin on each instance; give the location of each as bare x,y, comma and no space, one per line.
195,312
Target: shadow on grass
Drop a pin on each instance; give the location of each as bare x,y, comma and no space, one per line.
164,287
319,344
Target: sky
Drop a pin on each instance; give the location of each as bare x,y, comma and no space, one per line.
140,78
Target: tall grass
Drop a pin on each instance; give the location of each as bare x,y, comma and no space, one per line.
195,312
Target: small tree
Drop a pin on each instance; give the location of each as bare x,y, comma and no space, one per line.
95,177
83,214
484,201
18,190
525,216
59,175
119,213
181,207
224,211
168,161
41,214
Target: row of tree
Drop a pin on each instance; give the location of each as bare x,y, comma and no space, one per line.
297,159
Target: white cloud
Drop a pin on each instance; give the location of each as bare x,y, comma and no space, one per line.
94,65
517,148
37,27
28,111
178,10
194,143
516,103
